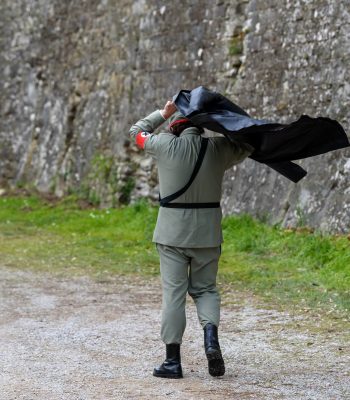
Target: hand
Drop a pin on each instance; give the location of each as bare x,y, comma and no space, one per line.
168,109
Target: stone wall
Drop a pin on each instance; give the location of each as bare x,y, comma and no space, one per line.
77,74
295,62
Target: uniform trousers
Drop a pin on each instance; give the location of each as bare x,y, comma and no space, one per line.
192,271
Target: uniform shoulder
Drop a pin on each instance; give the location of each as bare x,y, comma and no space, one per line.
219,141
166,134
166,137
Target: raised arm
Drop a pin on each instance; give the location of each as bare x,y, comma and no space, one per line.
142,130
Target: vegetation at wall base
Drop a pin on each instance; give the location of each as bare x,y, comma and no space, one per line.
289,267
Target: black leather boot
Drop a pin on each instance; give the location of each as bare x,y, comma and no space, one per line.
216,365
171,367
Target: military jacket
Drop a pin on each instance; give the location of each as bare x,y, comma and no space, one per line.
176,158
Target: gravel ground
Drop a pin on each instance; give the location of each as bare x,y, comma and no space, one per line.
76,338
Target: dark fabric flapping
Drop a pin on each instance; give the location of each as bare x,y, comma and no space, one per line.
275,144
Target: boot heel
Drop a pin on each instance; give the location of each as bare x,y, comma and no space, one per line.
216,364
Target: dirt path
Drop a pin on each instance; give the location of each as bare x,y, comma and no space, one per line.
73,339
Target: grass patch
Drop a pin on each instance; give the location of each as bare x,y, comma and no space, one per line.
282,266
40,235
287,266
236,44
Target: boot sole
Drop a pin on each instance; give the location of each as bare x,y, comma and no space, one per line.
216,365
169,376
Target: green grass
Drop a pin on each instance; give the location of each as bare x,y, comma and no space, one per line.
291,268
40,235
287,266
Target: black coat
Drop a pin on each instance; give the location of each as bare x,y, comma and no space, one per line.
275,144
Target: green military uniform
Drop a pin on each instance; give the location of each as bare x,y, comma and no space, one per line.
188,240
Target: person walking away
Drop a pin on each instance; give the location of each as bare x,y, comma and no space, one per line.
188,232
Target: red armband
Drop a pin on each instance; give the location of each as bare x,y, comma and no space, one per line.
141,139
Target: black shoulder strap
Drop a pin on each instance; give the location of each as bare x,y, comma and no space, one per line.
203,149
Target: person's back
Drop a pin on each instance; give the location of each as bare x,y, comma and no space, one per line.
188,231
176,158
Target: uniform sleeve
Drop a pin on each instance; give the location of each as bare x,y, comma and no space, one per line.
233,152
142,132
